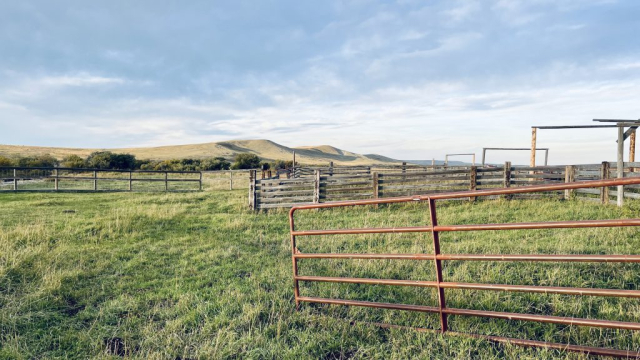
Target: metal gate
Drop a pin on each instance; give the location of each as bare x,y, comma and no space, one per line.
437,257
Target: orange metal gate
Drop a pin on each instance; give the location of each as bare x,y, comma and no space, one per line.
437,257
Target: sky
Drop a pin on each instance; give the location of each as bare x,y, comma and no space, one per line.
407,79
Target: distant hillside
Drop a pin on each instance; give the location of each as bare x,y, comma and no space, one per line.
265,149
438,162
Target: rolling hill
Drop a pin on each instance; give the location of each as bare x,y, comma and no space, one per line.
265,149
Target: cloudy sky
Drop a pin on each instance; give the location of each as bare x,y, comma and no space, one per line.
408,79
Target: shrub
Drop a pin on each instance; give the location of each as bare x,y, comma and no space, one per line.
109,160
5,161
217,163
73,161
246,161
37,161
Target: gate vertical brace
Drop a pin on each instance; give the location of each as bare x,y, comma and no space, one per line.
294,260
436,250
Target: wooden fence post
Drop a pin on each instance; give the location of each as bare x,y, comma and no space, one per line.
569,177
55,181
15,180
604,174
252,189
95,180
166,181
316,187
404,167
473,181
375,185
507,177
331,168
200,182
130,180
230,180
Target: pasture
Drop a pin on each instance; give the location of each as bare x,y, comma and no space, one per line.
199,276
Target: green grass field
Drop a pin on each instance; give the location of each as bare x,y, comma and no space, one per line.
199,276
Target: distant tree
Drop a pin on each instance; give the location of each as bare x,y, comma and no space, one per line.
282,164
265,166
73,161
246,161
109,160
37,161
5,161
217,163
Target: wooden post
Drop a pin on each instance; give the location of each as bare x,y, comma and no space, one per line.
95,181
230,180
632,149
474,159
375,185
604,174
404,167
331,168
473,181
569,177
294,164
166,181
252,189
15,180
200,182
534,133
55,181
507,177
130,180
433,162
484,156
620,164
316,187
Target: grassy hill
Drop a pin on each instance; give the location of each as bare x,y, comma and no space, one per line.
266,149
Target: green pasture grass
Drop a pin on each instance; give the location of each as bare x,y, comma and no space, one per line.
198,276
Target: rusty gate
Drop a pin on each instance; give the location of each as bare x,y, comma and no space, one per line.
437,257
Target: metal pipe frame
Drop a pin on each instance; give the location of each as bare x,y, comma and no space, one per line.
473,158
546,153
437,257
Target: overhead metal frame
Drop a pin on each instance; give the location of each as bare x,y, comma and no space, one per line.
621,124
546,153
446,158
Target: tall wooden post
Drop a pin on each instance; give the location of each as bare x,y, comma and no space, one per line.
252,189
569,177
230,180
166,181
316,187
375,184
130,180
620,164
404,167
474,160
200,182
95,181
632,149
473,181
604,174
331,168
534,134
15,180
55,181
294,164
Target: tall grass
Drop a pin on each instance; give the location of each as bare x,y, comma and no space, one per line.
197,275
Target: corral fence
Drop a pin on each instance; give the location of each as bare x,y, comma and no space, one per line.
319,185
24,179
440,284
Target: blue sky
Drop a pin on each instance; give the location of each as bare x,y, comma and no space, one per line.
407,79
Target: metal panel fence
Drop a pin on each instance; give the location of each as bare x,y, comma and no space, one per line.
440,284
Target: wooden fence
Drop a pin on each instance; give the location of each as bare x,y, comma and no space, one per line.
333,185
20,179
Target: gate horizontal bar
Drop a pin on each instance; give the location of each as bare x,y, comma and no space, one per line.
478,257
478,227
476,286
609,324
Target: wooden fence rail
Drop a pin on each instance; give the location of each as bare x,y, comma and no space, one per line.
28,179
358,183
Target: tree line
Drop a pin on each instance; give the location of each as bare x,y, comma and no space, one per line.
113,161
